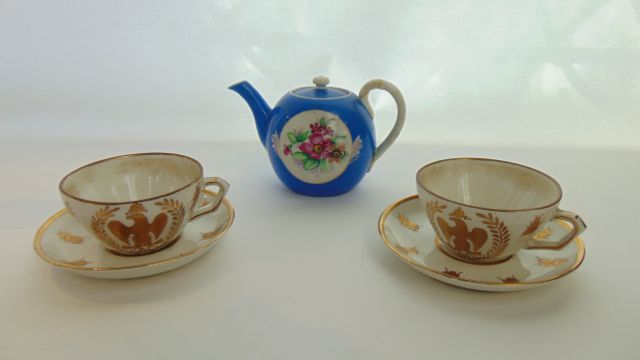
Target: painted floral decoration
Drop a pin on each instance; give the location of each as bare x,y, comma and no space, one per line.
318,147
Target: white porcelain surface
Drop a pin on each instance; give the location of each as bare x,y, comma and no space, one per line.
405,230
138,203
401,114
489,183
486,210
131,178
63,242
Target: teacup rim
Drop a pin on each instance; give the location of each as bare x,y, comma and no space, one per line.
546,206
200,176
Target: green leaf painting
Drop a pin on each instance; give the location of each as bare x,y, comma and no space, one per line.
311,164
304,136
300,155
321,147
324,165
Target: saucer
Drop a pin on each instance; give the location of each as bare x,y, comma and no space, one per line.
63,242
404,228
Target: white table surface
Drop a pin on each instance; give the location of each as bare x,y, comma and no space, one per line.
309,278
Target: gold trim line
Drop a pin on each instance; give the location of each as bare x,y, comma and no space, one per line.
37,243
581,252
199,177
554,181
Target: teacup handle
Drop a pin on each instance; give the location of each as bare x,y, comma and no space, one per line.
577,227
402,112
223,187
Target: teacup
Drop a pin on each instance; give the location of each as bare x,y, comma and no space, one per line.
139,203
486,210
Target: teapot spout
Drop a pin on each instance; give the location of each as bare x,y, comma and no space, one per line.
259,107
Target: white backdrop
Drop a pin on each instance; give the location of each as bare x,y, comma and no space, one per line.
528,76
514,72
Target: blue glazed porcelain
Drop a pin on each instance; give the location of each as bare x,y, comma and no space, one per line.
321,140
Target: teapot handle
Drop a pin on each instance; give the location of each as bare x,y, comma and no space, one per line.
402,112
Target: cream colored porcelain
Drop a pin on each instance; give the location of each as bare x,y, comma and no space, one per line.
486,210
405,230
139,203
64,243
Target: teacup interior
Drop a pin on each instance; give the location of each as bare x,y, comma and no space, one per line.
490,184
131,177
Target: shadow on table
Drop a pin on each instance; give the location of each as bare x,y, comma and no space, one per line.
537,303
199,274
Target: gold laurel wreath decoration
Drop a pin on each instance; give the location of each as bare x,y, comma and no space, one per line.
434,208
99,221
499,233
176,211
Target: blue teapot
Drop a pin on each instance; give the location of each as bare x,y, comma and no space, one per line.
321,140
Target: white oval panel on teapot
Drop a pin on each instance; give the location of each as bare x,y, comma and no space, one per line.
316,146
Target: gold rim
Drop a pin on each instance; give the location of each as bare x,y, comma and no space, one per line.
37,243
557,184
385,214
441,247
201,175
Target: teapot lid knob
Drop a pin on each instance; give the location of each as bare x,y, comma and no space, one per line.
321,81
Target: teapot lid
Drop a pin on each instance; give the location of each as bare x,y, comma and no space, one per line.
320,91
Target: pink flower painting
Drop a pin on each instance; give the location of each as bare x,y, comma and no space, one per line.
317,148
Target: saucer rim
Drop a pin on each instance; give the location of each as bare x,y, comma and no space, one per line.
37,243
580,249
